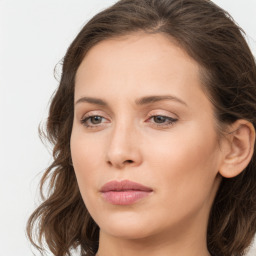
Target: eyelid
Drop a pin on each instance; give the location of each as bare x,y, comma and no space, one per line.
170,121
161,112
94,113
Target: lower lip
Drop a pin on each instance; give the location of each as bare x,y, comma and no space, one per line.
124,197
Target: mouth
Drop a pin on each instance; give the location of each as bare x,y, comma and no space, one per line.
124,192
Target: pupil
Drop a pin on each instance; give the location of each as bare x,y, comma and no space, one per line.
159,119
96,120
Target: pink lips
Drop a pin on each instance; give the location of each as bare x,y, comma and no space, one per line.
124,192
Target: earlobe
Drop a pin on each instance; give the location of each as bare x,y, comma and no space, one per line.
239,148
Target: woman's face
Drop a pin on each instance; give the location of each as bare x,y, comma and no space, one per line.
141,115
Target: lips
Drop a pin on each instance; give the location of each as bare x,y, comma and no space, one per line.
124,192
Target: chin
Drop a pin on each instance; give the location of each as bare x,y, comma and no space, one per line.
126,225
126,232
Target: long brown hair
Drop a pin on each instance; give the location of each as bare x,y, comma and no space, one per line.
210,36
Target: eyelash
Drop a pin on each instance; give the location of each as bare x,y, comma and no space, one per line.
170,122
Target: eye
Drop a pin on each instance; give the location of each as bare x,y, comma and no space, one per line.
162,121
92,121
95,121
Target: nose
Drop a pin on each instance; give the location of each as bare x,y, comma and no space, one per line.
123,149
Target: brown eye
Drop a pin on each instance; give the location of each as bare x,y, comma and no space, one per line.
92,121
162,121
159,119
96,119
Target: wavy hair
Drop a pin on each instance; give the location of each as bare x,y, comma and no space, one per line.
211,37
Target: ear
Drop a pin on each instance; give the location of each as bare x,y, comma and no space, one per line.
237,149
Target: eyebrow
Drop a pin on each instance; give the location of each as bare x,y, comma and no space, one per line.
141,101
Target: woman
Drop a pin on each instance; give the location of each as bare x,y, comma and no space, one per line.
153,127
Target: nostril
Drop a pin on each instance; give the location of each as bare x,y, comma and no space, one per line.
121,165
129,161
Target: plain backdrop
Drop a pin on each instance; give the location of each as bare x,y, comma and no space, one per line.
34,35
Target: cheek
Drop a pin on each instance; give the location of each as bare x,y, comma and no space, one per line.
185,165
86,157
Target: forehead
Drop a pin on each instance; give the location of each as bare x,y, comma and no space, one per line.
139,47
141,56
137,65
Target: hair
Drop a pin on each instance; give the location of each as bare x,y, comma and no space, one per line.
211,37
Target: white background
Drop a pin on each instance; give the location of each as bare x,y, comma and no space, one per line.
34,35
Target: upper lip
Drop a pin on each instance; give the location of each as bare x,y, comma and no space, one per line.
124,185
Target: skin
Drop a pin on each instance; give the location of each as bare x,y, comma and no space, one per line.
180,162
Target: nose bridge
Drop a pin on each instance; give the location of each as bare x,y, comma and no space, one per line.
123,147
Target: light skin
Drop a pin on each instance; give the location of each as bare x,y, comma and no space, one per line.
178,154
